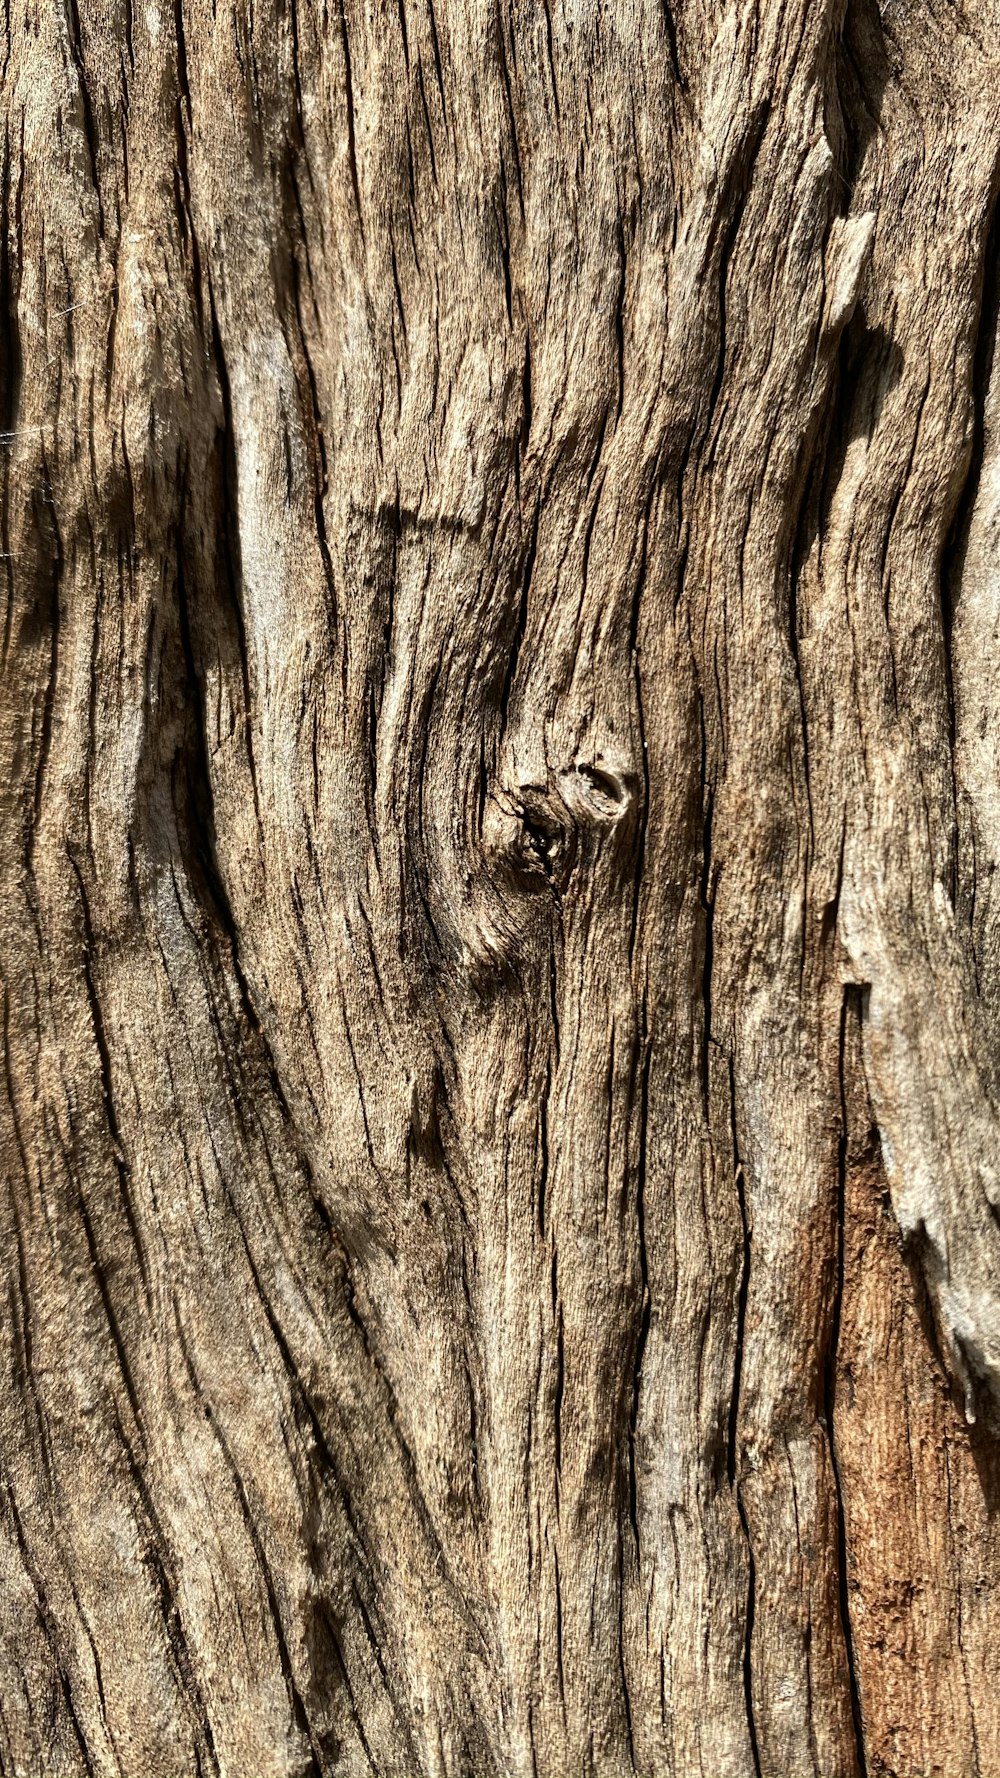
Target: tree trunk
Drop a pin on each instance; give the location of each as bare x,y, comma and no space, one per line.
500,956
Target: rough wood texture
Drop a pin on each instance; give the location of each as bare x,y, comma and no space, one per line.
499,756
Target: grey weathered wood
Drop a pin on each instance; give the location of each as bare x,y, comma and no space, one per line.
499,736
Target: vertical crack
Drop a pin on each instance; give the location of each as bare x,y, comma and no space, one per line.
734,1412
707,898
86,104
956,541
43,502
848,1004
643,1333
107,1085
11,370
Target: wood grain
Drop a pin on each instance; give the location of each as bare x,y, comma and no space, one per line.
500,1123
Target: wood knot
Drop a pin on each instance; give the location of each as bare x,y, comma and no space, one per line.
540,842
544,830
597,794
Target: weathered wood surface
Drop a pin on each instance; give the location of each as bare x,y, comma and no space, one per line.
500,739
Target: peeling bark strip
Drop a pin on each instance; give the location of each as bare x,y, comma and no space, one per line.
500,954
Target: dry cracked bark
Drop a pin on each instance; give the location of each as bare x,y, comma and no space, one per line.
501,976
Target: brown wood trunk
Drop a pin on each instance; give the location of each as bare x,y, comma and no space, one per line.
500,771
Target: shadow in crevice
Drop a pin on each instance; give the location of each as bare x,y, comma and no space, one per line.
870,362
983,1435
864,67
953,554
869,369
982,372
11,365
